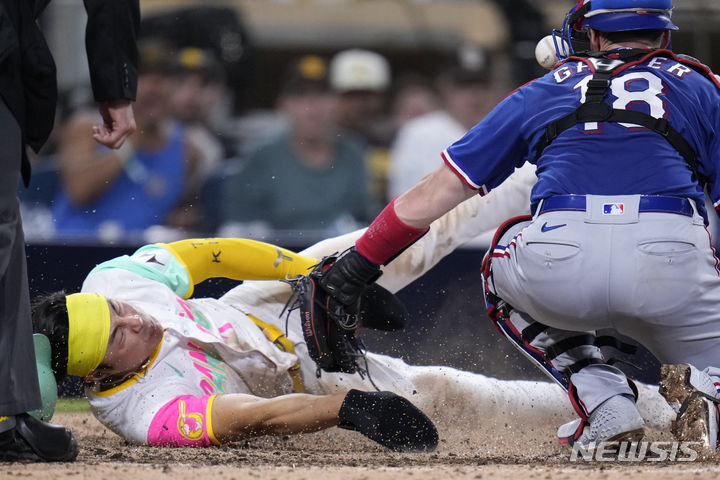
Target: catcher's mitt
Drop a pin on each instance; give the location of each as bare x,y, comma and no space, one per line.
334,299
329,327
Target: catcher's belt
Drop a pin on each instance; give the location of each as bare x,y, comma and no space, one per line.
277,337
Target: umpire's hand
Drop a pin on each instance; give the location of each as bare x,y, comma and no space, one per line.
118,123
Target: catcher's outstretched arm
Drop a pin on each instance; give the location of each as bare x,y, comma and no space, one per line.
463,223
238,259
471,218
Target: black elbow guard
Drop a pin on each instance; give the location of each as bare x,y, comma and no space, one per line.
388,419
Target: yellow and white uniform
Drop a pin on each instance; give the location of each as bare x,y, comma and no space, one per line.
209,347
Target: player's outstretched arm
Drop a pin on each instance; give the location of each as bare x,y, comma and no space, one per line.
238,416
475,216
384,417
470,219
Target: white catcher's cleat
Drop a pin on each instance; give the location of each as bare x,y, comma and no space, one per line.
615,420
693,395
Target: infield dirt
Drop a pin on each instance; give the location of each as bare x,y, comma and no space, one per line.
506,453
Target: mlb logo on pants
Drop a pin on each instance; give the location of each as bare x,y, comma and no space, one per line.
613,208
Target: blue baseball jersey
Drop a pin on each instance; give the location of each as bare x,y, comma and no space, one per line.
604,158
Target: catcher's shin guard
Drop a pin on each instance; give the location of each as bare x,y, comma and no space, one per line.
558,353
615,419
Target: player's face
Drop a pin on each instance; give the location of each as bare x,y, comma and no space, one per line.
134,336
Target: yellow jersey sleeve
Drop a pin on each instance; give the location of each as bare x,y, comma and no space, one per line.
236,258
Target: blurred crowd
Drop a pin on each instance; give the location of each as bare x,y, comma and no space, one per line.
345,135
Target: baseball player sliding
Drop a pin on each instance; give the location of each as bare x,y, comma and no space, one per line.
624,140
165,369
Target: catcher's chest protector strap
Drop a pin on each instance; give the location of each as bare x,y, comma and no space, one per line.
276,336
596,110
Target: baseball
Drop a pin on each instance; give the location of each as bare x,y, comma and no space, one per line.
545,53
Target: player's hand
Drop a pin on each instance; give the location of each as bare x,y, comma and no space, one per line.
118,123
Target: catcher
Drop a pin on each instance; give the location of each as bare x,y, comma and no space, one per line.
163,369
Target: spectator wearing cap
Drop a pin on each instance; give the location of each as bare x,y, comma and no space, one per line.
467,95
305,178
111,193
362,80
200,100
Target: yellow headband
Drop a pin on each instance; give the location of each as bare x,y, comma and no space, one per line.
89,319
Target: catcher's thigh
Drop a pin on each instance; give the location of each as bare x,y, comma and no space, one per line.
558,353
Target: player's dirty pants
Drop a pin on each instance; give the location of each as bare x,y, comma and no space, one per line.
650,276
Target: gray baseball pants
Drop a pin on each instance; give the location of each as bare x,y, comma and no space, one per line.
651,276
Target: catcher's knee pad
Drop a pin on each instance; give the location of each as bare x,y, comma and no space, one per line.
558,353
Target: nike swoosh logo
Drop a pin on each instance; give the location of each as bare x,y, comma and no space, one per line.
546,228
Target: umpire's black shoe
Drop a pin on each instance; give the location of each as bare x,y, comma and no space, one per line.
36,441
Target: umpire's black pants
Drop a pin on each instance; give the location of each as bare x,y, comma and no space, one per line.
19,390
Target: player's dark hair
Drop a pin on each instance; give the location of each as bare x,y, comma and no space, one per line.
652,37
50,317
